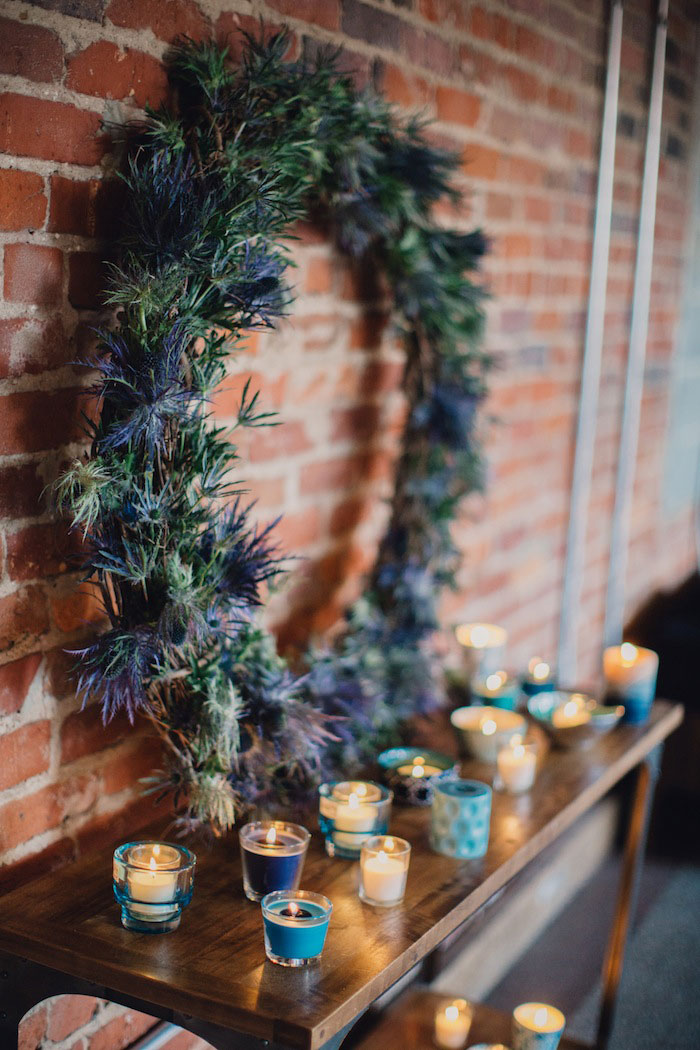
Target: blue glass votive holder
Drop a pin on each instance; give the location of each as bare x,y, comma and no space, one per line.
630,680
272,856
295,924
350,812
153,882
460,819
540,678
496,690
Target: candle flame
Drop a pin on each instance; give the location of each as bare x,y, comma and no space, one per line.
518,751
496,680
479,636
271,837
381,856
628,654
451,1013
539,669
293,907
156,849
389,844
488,727
419,760
540,1016
152,863
360,790
418,771
353,800
571,708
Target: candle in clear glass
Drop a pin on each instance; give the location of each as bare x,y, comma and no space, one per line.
517,765
350,812
383,870
152,882
497,689
418,768
575,712
537,1026
295,925
452,1023
483,645
272,856
630,679
539,677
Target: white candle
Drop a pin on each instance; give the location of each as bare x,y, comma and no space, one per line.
626,666
155,883
517,764
539,670
383,878
573,713
452,1024
537,1025
418,768
484,646
354,817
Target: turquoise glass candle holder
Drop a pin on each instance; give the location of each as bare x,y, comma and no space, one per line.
295,924
350,812
460,819
413,772
152,882
497,690
540,678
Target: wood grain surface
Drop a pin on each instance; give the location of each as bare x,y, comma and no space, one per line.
214,966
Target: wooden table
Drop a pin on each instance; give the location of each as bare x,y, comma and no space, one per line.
61,933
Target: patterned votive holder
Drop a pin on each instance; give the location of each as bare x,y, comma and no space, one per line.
630,679
537,1026
384,864
483,646
295,925
453,1019
540,678
497,689
350,812
412,772
460,819
272,856
483,730
153,882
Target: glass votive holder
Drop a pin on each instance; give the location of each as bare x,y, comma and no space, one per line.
272,856
483,646
295,924
630,679
517,766
497,689
453,1019
537,1026
540,678
153,882
384,864
350,812
413,772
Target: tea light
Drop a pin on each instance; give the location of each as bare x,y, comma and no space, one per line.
383,870
574,712
537,1026
272,856
539,678
483,729
412,773
497,689
452,1023
153,882
630,679
484,646
517,765
350,812
295,925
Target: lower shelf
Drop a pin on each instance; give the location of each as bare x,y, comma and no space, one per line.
407,1024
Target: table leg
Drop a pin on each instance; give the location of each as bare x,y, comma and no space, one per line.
635,842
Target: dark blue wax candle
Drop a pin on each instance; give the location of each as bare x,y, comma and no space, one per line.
272,856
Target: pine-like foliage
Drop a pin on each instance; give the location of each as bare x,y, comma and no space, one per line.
212,188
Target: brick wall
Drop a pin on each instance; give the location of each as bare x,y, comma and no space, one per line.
516,88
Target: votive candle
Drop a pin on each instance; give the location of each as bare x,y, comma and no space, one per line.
272,856
630,679
497,689
483,645
383,870
452,1023
517,765
575,712
539,678
537,1026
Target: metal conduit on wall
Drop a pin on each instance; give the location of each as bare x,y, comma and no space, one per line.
590,374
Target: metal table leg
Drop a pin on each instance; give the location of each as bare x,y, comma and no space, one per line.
635,843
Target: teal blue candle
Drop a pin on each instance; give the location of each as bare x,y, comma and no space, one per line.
295,926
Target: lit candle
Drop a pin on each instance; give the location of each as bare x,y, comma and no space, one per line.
383,870
295,925
574,712
537,1026
630,679
539,677
497,689
154,880
351,811
483,645
272,856
452,1023
418,768
517,764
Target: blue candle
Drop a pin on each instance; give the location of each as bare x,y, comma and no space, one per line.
539,678
295,926
272,856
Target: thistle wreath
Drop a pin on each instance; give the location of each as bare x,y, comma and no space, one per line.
212,188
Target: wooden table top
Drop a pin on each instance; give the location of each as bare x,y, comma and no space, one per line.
214,968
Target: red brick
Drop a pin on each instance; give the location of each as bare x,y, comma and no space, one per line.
356,424
432,52
60,675
323,13
24,753
32,1028
35,420
33,273
298,530
15,680
347,515
319,276
125,770
167,18
30,346
30,51
90,207
457,107
20,491
363,22
68,1013
283,440
39,550
34,814
366,330
36,127
87,280
481,162
70,612
446,12
23,616
407,89
122,1031
105,70
22,199
84,733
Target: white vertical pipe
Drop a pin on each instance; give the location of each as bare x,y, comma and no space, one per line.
634,387
590,375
